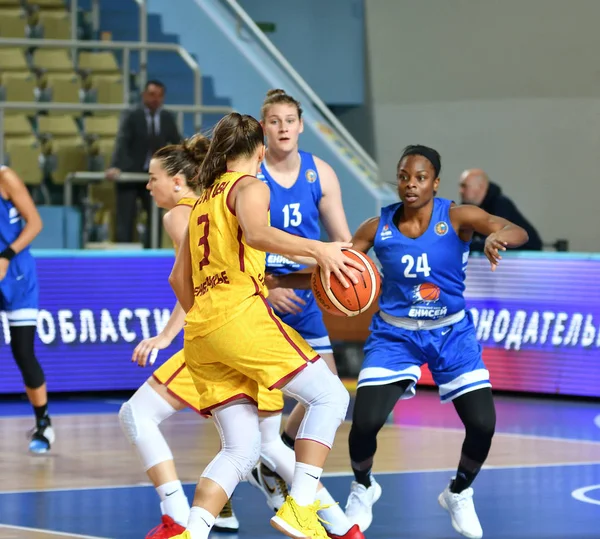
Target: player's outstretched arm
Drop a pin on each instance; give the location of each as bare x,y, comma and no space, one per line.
181,275
501,233
364,237
299,279
362,241
251,198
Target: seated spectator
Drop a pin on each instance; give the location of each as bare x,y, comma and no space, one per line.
477,189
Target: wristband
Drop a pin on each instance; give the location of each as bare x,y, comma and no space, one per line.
8,253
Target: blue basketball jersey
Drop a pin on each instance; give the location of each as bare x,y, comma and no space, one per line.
295,209
11,224
423,278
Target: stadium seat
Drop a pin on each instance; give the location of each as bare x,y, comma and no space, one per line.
22,148
62,139
12,23
48,4
13,59
60,88
56,24
18,86
99,62
52,60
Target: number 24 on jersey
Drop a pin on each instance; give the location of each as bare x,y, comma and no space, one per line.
421,266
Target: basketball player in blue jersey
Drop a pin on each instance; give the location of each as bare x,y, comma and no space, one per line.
304,189
422,244
20,223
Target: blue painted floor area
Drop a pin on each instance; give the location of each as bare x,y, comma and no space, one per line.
523,503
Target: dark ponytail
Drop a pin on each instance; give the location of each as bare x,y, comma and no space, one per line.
235,135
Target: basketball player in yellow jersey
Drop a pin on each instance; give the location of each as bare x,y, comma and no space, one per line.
235,344
171,387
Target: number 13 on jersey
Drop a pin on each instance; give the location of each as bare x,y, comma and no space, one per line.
422,266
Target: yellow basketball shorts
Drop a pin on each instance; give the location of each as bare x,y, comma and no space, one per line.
255,350
176,377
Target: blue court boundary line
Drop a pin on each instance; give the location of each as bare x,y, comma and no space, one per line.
325,475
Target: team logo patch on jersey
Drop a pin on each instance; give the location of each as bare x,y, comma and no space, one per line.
441,228
426,293
425,296
385,232
311,176
260,176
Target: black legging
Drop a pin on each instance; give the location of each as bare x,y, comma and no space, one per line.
375,403
22,344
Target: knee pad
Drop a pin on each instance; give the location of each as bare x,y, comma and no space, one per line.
139,418
240,451
244,458
325,398
21,342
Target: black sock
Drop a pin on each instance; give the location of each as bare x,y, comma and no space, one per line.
463,480
41,413
363,477
288,440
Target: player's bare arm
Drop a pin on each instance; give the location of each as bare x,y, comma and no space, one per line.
181,275
331,209
364,237
250,198
175,223
501,233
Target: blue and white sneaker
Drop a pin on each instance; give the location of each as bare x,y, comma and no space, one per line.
41,437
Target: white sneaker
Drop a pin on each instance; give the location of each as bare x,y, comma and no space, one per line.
274,487
462,512
359,507
226,522
41,437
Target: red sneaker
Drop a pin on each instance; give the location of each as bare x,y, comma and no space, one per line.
352,533
167,528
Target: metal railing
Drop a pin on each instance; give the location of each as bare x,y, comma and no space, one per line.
82,177
178,110
126,47
304,86
88,178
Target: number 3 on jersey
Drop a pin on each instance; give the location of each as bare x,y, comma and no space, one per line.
295,218
422,266
203,241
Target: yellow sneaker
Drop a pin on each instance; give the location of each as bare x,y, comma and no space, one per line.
298,521
185,535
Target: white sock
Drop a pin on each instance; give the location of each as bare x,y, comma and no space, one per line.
304,485
174,502
335,519
276,456
200,523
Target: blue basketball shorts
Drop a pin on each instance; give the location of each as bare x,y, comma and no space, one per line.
452,354
19,295
309,323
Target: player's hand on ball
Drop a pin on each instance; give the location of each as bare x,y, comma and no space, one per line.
146,347
331,258
492,248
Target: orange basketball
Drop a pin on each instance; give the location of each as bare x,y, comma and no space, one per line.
429,292
340,301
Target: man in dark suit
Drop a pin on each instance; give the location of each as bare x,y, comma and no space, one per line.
143,130
477,189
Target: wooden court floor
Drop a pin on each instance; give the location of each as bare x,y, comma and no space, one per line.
91,452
